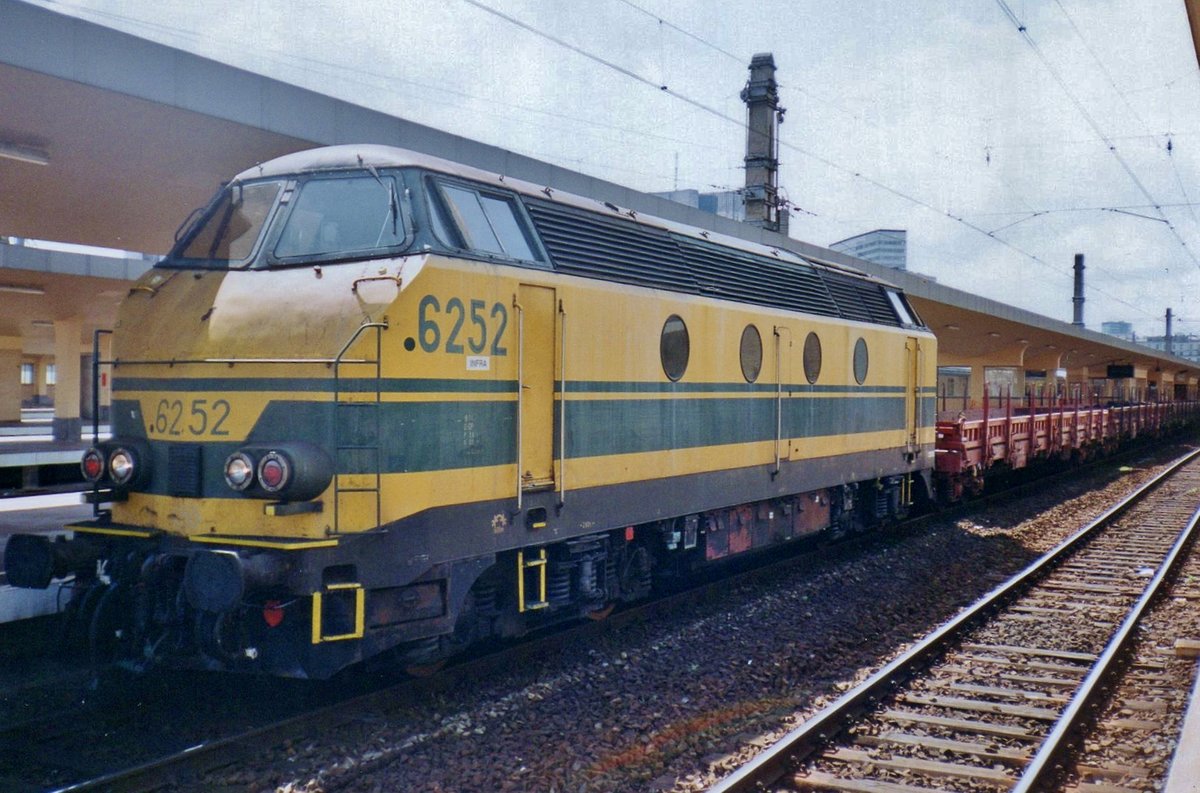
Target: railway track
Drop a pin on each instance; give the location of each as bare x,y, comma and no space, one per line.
997,698
167,759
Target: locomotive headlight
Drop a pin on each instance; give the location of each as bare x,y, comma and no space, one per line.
239,471
121,466
92,465
274,472
289,471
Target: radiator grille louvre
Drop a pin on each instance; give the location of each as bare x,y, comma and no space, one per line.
859,299
595,245
183,471
612,249
737,275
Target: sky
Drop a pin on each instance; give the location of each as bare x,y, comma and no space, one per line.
1005,136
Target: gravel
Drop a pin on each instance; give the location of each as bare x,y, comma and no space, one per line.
674,702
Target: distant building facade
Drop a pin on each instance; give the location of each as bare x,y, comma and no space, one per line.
1182,345
727,204
1122,330
887,247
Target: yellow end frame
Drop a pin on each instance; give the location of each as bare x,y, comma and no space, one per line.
144,535
540,564
360,599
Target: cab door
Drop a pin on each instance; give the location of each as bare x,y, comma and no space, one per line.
912,394
783,368
535,400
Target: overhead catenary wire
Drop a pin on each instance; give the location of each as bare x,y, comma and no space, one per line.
743,60
1129,106
1051,210
810,154
676,94
1023,31
386,82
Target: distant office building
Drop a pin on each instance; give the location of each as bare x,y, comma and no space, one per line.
1122,330
887,247
1182,345
727,204
687,197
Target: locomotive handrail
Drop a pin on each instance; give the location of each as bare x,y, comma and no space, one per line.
562,407
778,395
520,385
337,362
229,361
398,280
96,363
354,337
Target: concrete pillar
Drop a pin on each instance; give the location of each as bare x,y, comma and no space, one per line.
1141,382
1166,386
1079,385
67,386
10,380
41,390
1048,360
1003,357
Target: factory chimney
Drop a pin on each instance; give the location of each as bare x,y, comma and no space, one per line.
1170,347
763,117
1077,300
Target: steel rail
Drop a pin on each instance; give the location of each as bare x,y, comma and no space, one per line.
1042,769
773,763
230,750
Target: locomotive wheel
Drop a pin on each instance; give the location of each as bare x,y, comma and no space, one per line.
106,638
635,574
216,635
77,618
601,614
425,670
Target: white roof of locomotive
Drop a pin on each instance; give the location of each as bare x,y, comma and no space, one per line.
370,155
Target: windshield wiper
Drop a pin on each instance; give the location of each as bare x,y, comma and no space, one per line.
393,200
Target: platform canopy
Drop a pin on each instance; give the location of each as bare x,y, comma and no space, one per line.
107,139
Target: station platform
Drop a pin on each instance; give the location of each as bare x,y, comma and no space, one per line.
1184,776
29,446
44,514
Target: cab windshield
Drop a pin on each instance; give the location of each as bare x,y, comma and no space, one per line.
341,217
226,234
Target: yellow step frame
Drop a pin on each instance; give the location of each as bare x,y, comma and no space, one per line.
360,611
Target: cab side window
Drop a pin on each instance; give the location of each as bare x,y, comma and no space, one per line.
486,222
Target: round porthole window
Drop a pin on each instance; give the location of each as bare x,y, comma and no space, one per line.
674,347
860,361
751,353
812,357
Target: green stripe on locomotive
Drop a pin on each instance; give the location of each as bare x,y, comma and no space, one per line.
451,434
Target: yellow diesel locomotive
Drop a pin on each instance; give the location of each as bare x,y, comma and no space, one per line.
378,402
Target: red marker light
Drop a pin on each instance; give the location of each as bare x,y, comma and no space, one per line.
92,465
274,472
272,613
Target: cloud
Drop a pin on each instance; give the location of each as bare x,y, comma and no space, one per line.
943,103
